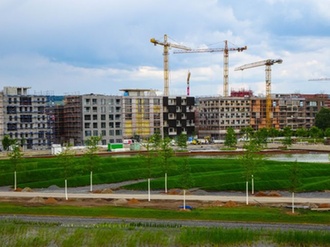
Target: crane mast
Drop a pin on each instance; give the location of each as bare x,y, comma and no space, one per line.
167,45
188,80
225,60
268,63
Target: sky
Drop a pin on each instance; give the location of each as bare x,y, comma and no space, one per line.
64,47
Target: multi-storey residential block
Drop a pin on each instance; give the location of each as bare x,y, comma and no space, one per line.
142,113
217,114
27,117
83,116
179,116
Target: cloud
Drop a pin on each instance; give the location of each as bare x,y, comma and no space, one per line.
102,46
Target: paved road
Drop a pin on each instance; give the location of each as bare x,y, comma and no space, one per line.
139,196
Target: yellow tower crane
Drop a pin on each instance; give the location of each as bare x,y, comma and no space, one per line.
225,60
167,45
267,63
320,79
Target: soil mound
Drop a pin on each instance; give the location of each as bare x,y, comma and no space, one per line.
230,204
50,200
27,189
133,201
37,200
121,201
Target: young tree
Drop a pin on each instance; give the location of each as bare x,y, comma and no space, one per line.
91,156
260,137
16,157
186,179
66,160
230,139
287,133
7,142
315,132
250,160
182,141
149,159
294,180
165,153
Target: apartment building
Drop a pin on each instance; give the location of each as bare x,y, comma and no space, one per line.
216,114
83,116
178,115
27,117
142,113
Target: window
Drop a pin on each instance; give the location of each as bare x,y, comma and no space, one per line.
88,133
94,117
95,125
102,117
87,125
110,117
95,133
111,132
87,117
103,125
118,132
103,132
117,124
94,101
111,125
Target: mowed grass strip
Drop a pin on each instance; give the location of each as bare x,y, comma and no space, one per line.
231,214
210,174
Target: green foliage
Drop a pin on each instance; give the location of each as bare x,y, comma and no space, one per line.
230,138
186,181
165,153
315,132
322,118
15,155
294,177
250,158
182,141
7,142
67,161
91,153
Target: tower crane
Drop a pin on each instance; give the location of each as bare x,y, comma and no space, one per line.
268,64
188,80
320,79
167,45
225,60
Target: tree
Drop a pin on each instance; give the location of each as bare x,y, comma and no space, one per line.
250,160
315,132
66,160
230,139
7,142
182,141
302,132
165,153
91,156
287,133
322,118
186,179
16,157
260,137
327,132
294,180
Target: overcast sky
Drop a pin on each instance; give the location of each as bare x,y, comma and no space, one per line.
102,46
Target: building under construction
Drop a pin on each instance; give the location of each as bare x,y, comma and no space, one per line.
27,117
216,114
